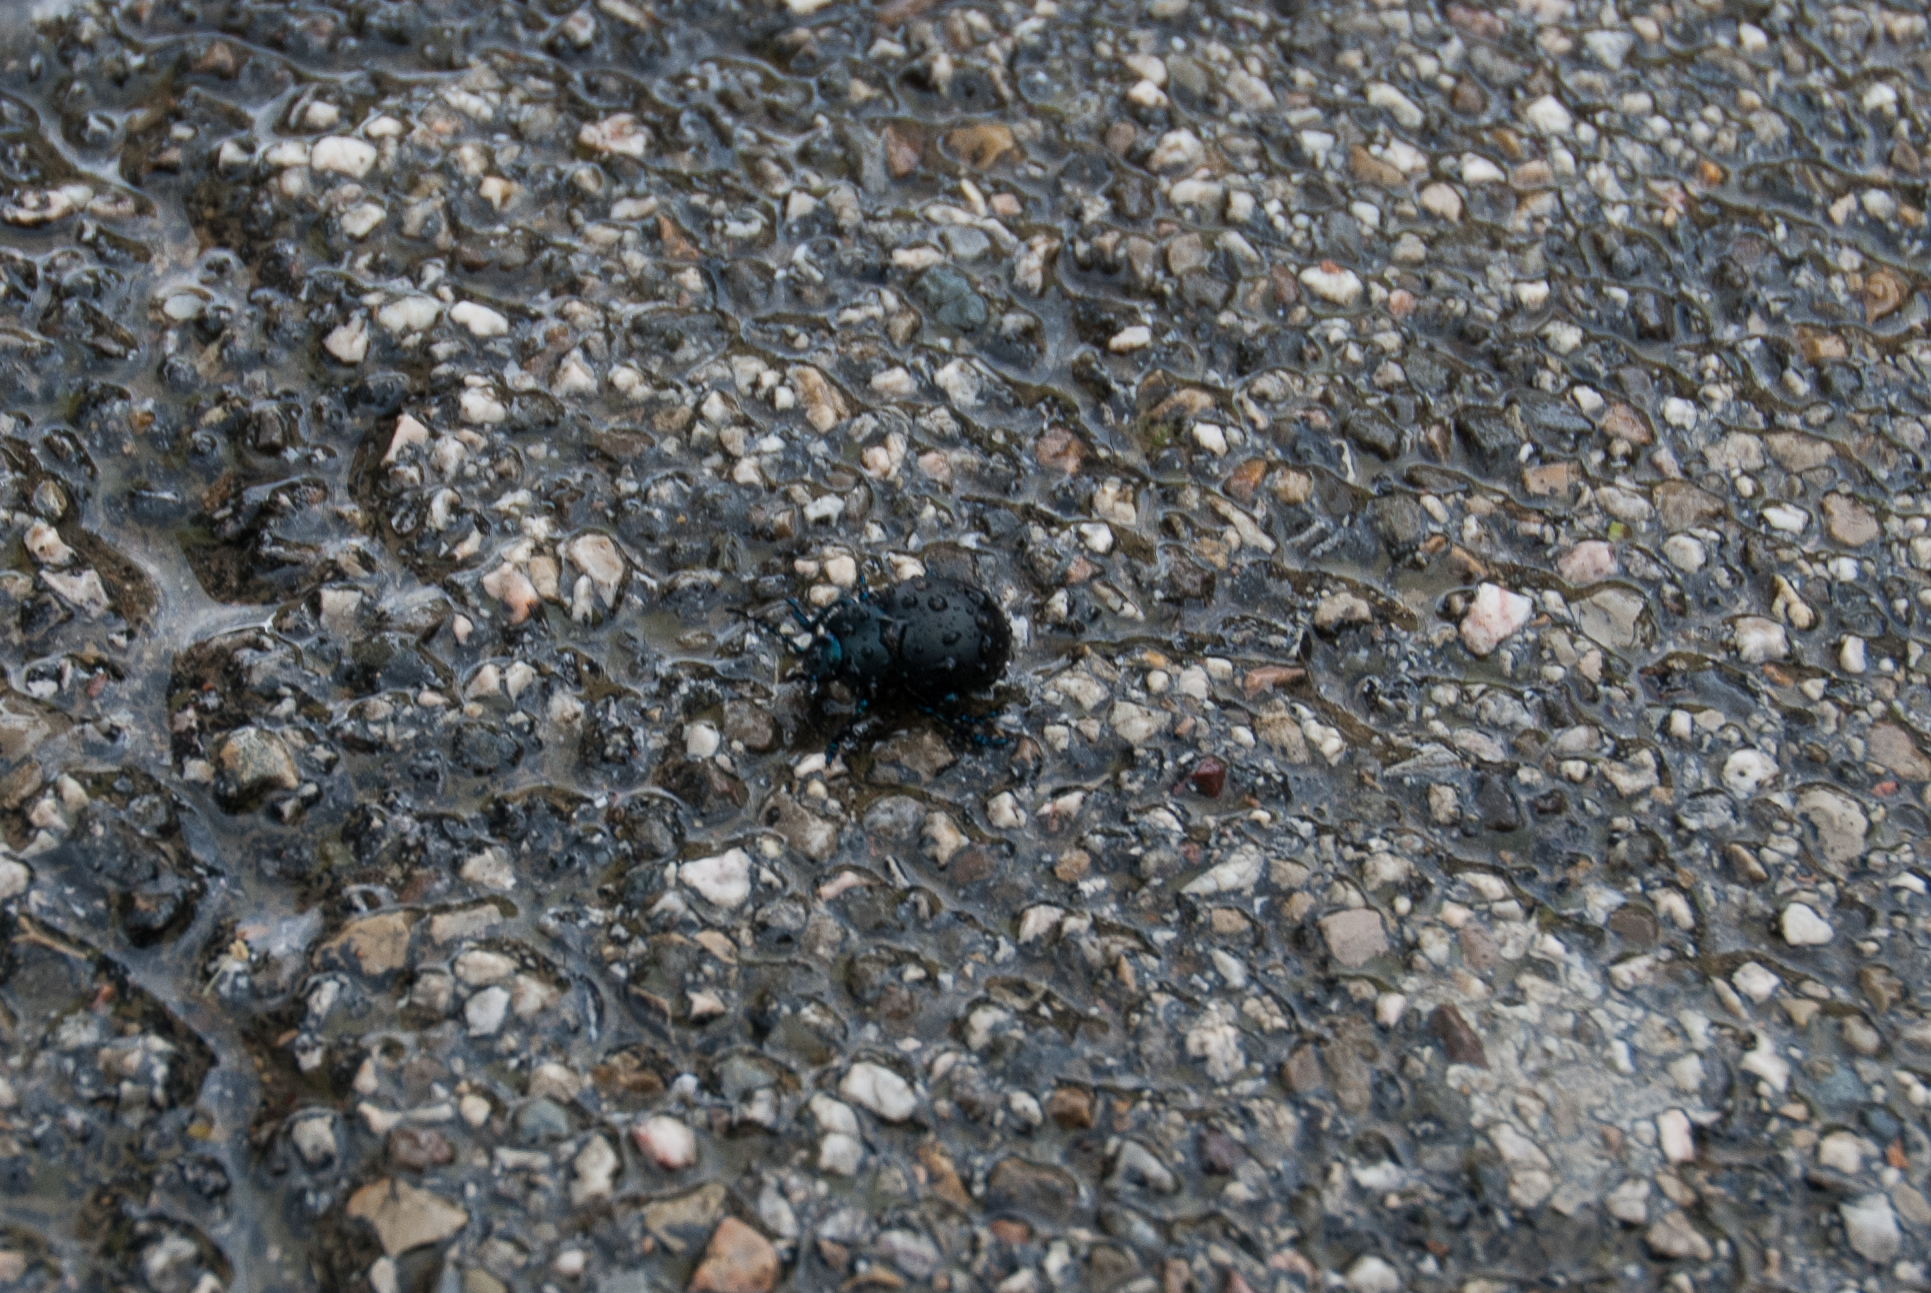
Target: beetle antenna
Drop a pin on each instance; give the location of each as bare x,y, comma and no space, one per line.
807,622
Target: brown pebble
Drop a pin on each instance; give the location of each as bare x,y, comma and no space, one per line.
1208,778
1059,449
737,1260
1848,521
902,147
1072,865
1458,1040
981,146
1467,98
1302,1070
1071,1107
417,1149
1007,1230
1244,482
1221,1154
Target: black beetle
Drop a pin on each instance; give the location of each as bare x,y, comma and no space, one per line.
928,640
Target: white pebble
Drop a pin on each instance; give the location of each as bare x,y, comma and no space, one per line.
723,881
479,319
1332,282
1673,1134
701,740
877,1088
1495,617
1803,927
344,156
666,1142
1747,771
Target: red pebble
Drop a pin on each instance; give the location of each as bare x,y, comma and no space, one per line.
1208,778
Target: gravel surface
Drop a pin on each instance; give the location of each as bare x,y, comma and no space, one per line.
1454,818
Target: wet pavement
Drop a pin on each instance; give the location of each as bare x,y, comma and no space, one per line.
1455,818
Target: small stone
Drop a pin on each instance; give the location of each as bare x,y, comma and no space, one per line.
419,1149
911,1252
1894,749
1841,1151
1238,874
1759,640
45,545
1177,150
666,1142
1803,927
405,1217
1848,521
1839,822
1588,562
1460,1043
253,761
1911,1205
410,314
1216,1041
1629,1202
480,968
378,943
1755,982
723,881
879,1089
479,319
737,1260
1496,615
1746,772
701,740
555,1081
596,555
1371,1274
1137,724
949,295
1355,937
983,144
1441,200
1547,116
1397,105
1673,1236
1685,552
1129,339
1852,654
1071,1107
902,148
1208,777
1870,1227
358,222
1674,1137
1337,610
1332,283
485,1011
514,589
1611,617
620,135
342,155
594,1172
14,878
348,343
313,1136
1136,1165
